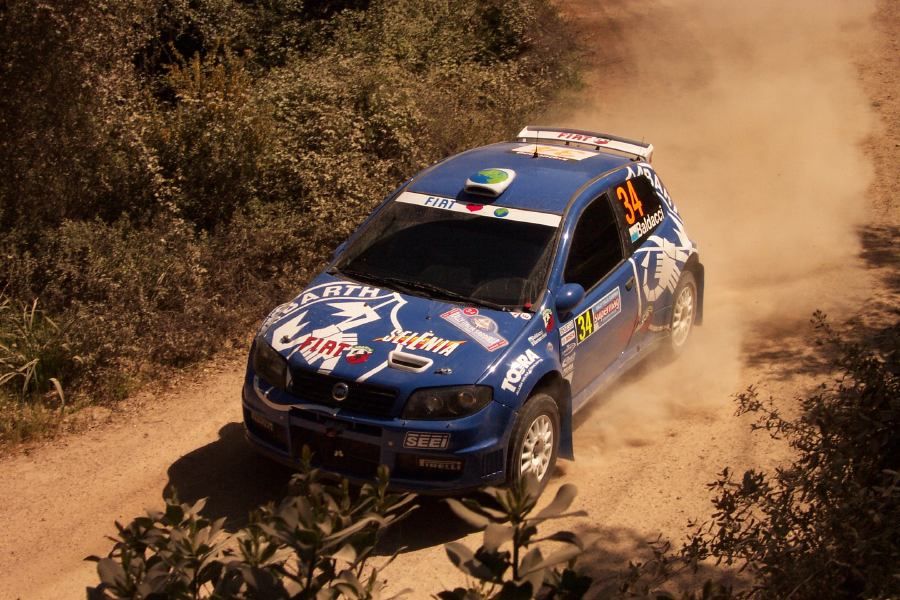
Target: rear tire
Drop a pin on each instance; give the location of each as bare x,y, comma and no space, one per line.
534,444
684,310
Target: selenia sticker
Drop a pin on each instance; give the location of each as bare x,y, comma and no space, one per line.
427,341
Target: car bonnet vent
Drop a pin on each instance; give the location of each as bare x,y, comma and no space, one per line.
490,182
408,362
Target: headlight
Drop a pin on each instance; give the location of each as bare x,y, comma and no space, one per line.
447,402
269,365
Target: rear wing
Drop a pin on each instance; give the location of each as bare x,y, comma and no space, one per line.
598,141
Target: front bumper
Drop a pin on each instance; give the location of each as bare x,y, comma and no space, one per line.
423,456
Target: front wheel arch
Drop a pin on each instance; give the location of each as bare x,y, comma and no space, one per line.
534,440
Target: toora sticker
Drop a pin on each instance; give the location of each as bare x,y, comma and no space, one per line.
519,371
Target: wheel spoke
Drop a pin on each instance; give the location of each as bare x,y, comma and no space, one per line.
537,447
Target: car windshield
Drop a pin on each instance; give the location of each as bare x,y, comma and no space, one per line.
496,262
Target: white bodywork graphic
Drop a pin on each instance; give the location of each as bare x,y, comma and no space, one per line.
665,259
323,347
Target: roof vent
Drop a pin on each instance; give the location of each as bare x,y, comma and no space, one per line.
490,182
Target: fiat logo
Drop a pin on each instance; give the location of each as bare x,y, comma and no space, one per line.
340,391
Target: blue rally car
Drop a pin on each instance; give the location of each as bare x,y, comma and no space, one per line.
456,333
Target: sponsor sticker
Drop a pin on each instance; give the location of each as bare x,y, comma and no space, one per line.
607,308
568,338
537,338
547,315
480,328
425,440
442,465
511,214
519,370
490,176
521,315
598,315
427,341
557,152
567,327
646,225
358,354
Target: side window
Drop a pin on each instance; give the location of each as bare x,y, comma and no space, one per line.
641,208
596,246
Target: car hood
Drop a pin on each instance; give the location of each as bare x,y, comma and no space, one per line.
356,332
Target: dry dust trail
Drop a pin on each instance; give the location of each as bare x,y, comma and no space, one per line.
757,115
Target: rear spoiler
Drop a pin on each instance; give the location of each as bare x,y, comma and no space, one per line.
598,141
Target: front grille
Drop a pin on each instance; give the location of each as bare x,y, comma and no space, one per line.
337,453
363,398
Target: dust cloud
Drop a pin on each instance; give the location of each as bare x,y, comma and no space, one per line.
757,118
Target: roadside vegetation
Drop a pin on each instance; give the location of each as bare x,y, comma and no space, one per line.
826,525
172,168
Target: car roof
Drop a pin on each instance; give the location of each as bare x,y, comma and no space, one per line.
542,183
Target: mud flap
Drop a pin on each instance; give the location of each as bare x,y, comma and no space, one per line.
566,445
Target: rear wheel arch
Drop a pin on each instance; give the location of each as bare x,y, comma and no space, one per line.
696,268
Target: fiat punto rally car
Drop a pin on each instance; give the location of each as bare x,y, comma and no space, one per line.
456,333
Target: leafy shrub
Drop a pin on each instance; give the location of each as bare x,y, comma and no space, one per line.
522,571
827,525
178,167
315,543
318,540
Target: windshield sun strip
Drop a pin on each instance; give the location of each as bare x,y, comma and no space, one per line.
481,210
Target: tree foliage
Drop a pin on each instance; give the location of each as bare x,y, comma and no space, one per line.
175,167
828,524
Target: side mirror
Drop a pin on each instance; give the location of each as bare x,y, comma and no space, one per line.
569,296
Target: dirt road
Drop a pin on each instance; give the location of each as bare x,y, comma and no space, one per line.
766,120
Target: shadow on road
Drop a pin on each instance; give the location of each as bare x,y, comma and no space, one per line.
609,561
235,479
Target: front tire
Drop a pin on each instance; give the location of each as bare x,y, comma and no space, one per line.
684,309
535,440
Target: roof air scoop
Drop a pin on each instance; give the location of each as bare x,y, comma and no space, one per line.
490,182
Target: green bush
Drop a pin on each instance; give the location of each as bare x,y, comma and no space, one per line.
319,540
828,524
510,562
176,168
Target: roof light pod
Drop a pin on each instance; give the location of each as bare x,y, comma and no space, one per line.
490,182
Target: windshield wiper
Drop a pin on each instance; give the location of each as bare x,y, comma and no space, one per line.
448,294
409,286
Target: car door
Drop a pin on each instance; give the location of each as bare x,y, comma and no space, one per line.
641,214
600,327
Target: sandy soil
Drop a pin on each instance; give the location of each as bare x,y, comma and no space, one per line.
776,130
